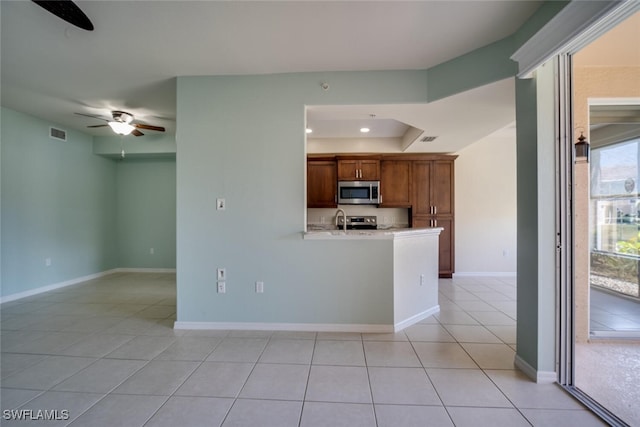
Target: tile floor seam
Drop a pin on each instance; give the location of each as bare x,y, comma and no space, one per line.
373,403
87,409
306,386
155,412
469,355
239,392
505,395
431,382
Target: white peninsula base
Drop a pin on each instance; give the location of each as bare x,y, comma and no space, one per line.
415,269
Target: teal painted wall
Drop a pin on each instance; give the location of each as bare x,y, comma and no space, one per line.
477,68
58,202
146,213
152,144
527,222
547,148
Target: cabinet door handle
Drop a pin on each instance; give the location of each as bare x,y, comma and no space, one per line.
435,210
435,222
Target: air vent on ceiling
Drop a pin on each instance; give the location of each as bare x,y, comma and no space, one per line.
428,138
58,134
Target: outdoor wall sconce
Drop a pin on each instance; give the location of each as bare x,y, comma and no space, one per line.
582,149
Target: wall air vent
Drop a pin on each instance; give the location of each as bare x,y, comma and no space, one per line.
428,138
58,134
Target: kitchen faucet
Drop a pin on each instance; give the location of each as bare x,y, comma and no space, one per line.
344,217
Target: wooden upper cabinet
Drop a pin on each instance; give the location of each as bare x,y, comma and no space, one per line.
433,187
358,170
322,184
421,181
442,188
395,183
370,170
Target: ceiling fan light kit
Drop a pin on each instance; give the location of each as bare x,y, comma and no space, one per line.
121,128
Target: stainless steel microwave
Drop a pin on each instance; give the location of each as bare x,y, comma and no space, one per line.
358,192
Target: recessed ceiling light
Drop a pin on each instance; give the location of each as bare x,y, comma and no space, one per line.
364,130
309,130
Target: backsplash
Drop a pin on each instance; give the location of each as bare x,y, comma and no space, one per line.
387,217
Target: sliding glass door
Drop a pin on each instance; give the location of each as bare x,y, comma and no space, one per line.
598,224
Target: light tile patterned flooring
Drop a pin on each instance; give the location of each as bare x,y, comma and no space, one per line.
106,352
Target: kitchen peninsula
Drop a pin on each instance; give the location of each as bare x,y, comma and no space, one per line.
413,272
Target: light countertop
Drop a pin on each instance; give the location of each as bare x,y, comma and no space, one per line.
385,234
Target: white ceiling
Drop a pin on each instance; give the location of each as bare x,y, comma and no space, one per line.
51,69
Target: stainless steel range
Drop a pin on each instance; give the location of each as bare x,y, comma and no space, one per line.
359,222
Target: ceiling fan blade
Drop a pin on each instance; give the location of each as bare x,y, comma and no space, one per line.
136,132
97,126
68,11
92,116
149,127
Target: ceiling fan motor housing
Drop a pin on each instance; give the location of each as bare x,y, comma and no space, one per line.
122,116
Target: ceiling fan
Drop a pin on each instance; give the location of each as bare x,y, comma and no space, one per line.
67,10
122,123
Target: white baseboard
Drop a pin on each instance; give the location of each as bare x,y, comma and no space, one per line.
145,270
415,319
54,286
59,285
310,327
541,377
485,274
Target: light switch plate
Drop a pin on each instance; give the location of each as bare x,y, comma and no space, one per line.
221,204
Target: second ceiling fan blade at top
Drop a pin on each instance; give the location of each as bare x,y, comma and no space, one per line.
68,11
